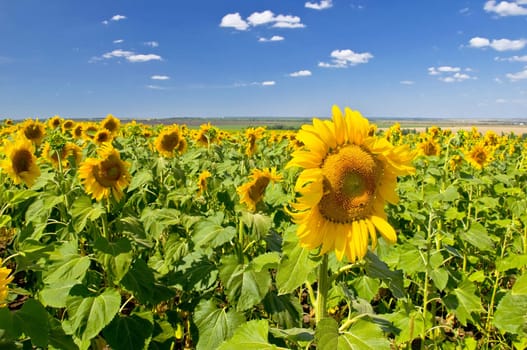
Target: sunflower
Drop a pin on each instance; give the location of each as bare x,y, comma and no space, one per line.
167,141
21,163
252,135
34,131
89,130
347,178
207,134
102,136
5,279
68,125
105,176
78,131
252,192
54,122
202,181
479,156
429,147
62,153
111,124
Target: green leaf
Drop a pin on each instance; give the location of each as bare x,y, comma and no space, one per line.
513,261
511,314
215,325
266,260
210,233
477,236
10,327
520,286
294,334
121,246
463,301
439,277
83,210
366,287
58,338
139,179
33,318
284,309
140,281
155,221
128,332
89,315
361,335
249,336
73,269
296,267
376,268
410,323
258,223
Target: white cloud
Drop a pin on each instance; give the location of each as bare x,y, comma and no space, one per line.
498,44
322,5
345,58
152,43
118,18
300,73
118,41
449,74
130,56
513,58
234,20
155,87
159,77
407,82
268,83
521,75
273,38
506,8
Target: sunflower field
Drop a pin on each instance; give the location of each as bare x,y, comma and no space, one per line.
339,235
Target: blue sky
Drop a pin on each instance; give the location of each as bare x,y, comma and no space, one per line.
162,58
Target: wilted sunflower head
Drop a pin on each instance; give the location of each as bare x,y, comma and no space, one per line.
21,163
5,279
34,131
347,177
252,192
105,176
167,141
112,124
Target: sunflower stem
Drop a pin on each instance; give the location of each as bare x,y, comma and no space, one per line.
322,292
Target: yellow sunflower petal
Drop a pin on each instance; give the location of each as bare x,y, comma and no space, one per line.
357,126
385,229
340,125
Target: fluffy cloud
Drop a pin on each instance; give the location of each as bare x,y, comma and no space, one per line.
449,74
267,17
300,73
506,8
498,44
268,83
159,77
521,75
345,58
118,18
130,56
273,38
322,5
234,20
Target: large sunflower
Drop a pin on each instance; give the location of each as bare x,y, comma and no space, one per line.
347,178
480,155
252,192
112,124
167,141
105,176
34,131
5,279
21,163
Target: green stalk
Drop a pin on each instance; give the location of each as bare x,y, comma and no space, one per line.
323,287
427,277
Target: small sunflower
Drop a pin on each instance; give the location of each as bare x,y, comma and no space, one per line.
89,130
21,163
253,135
54,122
347,178
167,141
5,279
68,125
112,124
202,181
479,156
63,153
106,175
252,192
429,147
102,136
34,131
78,131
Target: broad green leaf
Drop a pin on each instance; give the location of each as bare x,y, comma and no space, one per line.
439,277
514,261
128,332
294,334
366,287
376,268
296,267
463,301
520,286
57,337
409,323
120,246
139,179
210,233
73,269
33,319
89,315
84,210
141,282
285,310
511,314
362,335
215,325
10,328
477,236
266,260
155,221
258,223
249,336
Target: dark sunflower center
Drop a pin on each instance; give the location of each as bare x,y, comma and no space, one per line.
351,176
108,172
480,157
257,190
21,161
33,132
169,142
430,149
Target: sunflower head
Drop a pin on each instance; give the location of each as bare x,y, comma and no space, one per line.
102,136
202,181
34,131
54,122
479,155
68,125
167,141
5,279
105,176
252,192
348,175
112,124
21,163
429,147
